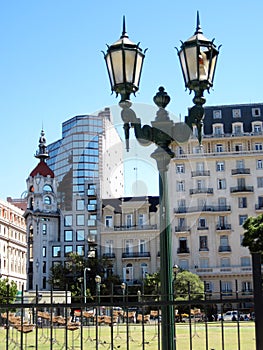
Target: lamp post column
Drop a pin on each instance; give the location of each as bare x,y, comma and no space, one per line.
166,271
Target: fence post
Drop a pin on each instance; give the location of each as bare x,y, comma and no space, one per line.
258,301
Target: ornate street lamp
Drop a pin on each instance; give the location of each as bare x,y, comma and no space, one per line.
124,63
198,57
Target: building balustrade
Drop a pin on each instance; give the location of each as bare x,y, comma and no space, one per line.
182,228
200,173
242,189
202,227
205,208
201,190
183,251
224,248
136,255
223,227
240,171
215,270
133,227
109,255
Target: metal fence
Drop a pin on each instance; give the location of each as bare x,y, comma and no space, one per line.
125,322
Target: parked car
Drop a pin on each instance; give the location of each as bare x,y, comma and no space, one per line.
230,315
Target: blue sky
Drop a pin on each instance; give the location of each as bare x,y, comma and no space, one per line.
52,68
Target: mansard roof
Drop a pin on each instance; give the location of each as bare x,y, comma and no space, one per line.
42,169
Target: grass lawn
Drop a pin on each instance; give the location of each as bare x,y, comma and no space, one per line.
184,337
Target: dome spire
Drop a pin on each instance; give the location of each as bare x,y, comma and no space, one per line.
42,152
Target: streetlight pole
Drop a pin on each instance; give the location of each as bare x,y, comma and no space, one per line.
85,284
124,60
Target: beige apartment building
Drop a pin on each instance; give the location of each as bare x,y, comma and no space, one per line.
213,189
13,245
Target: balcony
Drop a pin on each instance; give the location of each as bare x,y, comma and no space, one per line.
182,228
258,206
201,190
134,227
202,227
200,173
224,249
223,227
247,292
205,208
242,189
240,171
183,251
133,255
109,255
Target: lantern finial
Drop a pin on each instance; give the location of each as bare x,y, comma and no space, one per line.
124,33
198,25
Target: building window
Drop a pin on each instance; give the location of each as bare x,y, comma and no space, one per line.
44,270
242,202
220,166
237,129
128,219
56,251
225,262
217,114
80,204
259,164
81,250
108,221
109,247
68,220
68,235
242,219
142,246
92,220
68,249
258,146
257,128
236,113
180,168
80,235
180,185
144,270
47,188
256,112
128,246
238,147
221,184
183,248
80,220
202,222
204,263
226,287
219,148
184,264
260,182
47,200
245,261
44,229
128,273
44,251
203,245
246,287
218,130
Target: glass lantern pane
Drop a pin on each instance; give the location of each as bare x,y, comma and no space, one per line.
129,65
212,66
191,59
108,62
203,63
117,66
183,64
138,69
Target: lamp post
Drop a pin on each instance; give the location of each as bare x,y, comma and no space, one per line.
124,60
98,283
85,284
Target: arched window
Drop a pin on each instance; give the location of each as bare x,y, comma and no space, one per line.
47,188
47,200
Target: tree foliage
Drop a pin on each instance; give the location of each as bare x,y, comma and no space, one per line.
253,236
71,276
8,291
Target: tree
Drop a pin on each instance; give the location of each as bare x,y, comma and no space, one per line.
8,291
253,236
